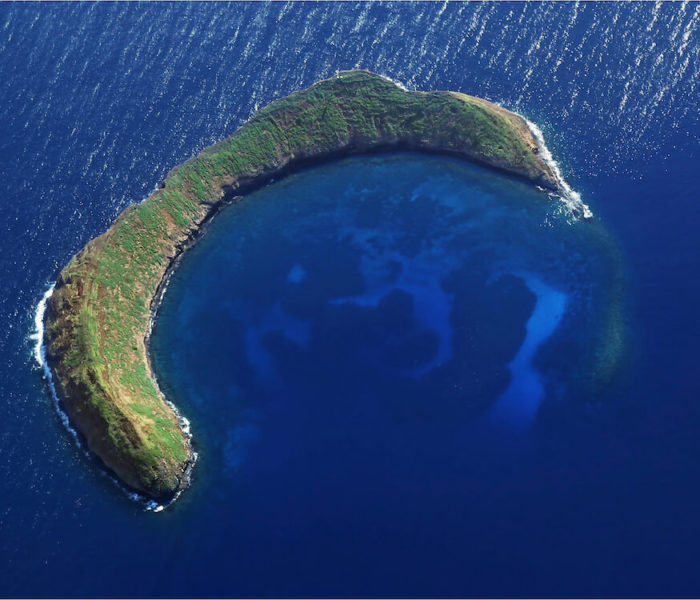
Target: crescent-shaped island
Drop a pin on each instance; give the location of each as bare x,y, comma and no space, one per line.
100,313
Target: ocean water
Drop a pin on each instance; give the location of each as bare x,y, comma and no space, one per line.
584,494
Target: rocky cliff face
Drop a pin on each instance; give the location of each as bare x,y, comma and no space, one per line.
99,315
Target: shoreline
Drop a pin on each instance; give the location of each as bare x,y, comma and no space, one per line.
568,195
39,355
184,204
154,307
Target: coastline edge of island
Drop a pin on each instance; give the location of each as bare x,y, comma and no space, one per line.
201,207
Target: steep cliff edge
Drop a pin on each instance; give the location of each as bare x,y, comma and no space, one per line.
99,315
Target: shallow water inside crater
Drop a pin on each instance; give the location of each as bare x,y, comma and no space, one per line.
344,331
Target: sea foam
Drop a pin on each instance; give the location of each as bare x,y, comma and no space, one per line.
571,198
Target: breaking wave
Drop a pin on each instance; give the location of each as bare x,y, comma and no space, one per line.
571,198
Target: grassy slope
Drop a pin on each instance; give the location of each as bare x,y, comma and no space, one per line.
99,314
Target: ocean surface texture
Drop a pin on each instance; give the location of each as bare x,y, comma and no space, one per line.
382,358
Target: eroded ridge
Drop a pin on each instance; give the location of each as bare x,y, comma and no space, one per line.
100,313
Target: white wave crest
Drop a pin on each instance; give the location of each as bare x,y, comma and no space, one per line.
397,83
40,356
571,198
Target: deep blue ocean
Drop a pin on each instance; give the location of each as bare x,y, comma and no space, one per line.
378,356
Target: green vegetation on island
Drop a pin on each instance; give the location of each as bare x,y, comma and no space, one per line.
99,316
